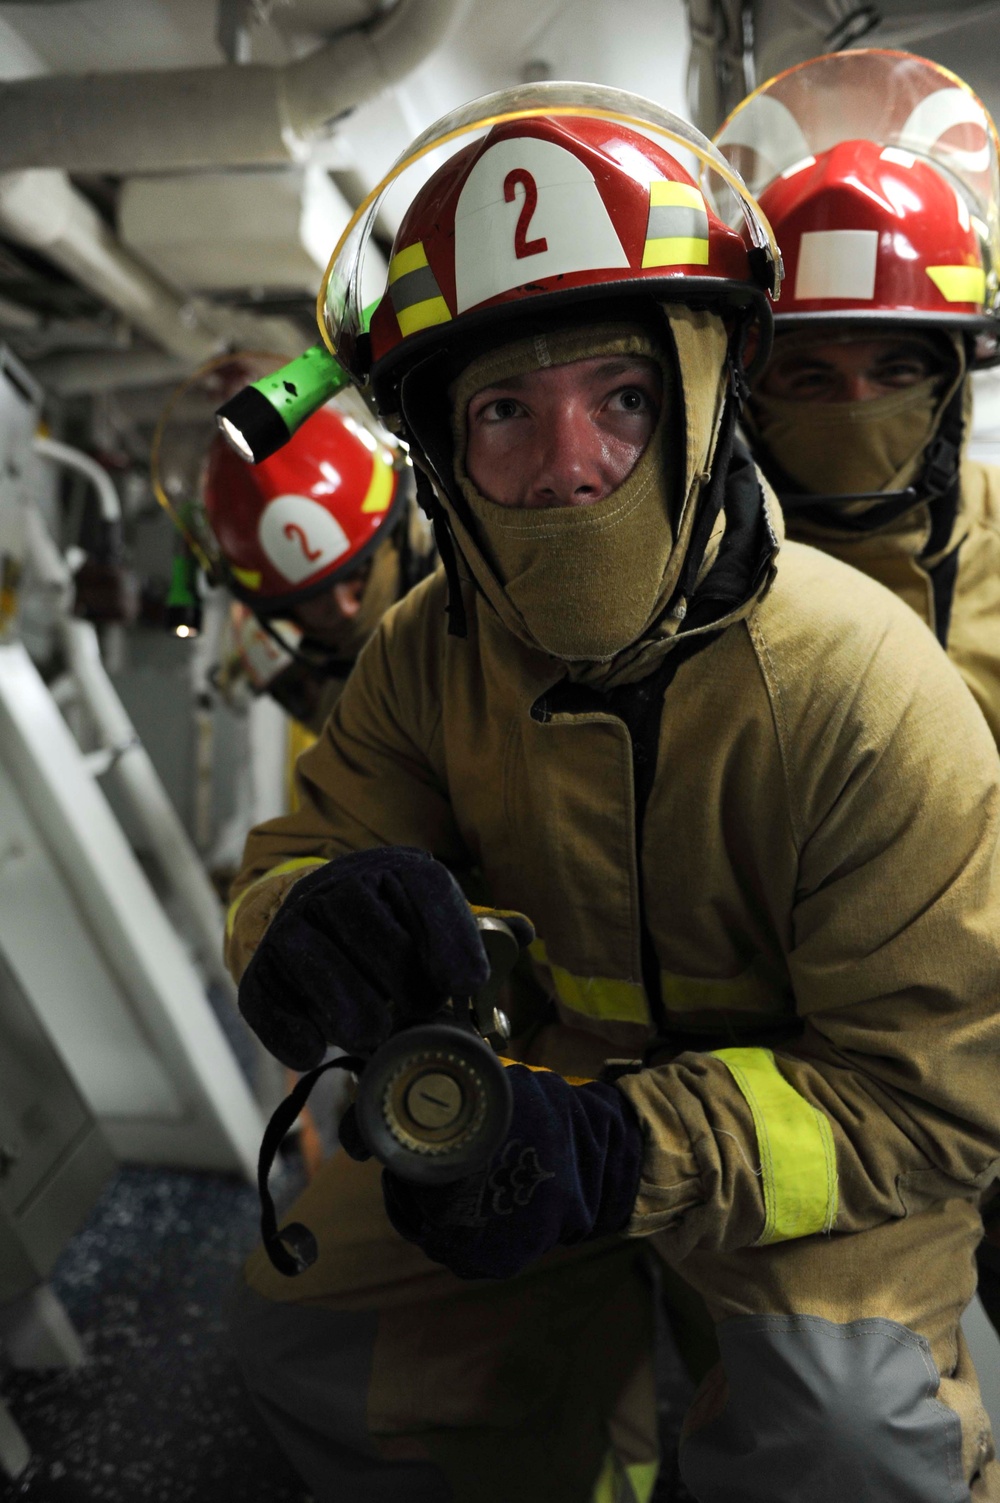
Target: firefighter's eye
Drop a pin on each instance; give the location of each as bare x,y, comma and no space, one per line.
500,410
631,399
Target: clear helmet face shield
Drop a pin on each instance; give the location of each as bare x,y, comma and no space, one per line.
904,104
348,284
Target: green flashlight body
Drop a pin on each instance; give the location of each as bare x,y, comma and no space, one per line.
260,419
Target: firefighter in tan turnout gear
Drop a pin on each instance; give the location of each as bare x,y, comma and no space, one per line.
316,542
752,814
881,187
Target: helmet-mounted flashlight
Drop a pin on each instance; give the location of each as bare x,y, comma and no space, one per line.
260,419
183,616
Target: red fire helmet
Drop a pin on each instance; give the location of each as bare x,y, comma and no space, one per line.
878,172
571,197
289,527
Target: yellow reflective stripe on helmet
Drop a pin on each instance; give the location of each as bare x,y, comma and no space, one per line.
677,227
676,250
959,284
380,487
249,577
434,310
798,1160
666,194
409,259
299,863
596,996
414,292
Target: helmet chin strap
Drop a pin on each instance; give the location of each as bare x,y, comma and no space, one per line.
323,662
458,625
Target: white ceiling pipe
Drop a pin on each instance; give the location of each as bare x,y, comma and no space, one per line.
252,115
42,209
87,372
75,459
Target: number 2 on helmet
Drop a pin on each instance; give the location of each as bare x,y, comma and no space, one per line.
521,177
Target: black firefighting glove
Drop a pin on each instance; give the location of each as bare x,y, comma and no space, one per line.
567,1172
360,948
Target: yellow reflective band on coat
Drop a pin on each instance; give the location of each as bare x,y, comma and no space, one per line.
749,992
414,291
595,996
617,1483
959,284
300,739
299,863
798,1161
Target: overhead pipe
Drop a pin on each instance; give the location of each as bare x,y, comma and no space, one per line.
248,115
82,373
41,208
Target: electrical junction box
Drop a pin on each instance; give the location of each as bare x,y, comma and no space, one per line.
207,232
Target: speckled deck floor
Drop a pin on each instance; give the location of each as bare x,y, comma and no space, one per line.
158,1415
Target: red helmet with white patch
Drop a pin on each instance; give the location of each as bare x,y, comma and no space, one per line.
576,194
539,213
292,525
878,172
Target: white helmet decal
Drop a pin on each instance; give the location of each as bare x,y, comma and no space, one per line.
528,209
300,537
940,113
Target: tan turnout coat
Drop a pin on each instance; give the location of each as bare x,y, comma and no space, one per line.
819,877
892,556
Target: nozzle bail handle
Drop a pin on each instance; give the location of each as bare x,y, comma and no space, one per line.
293,1249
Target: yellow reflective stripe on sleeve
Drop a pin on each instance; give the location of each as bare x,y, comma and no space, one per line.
676,250
596,996
959,284
380,487
298,863
798,1160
